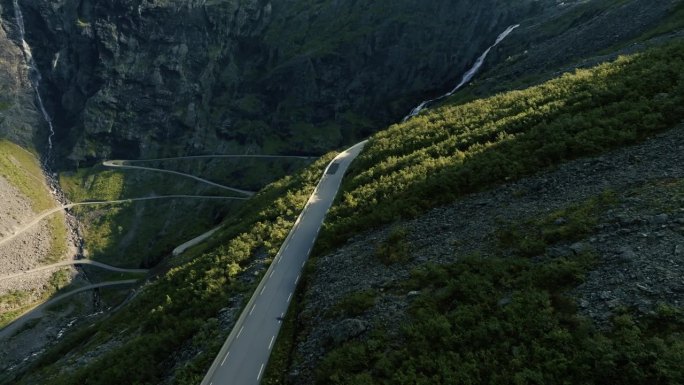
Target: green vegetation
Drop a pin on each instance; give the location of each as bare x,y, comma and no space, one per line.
504,319
394,249
533,237
245,173
458,149
120,234
141,233
12,305
483,319
92,185
354,304
507,320
16,302
22,170
8,316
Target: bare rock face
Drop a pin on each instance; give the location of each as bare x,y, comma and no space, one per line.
131,78
18,116
124,77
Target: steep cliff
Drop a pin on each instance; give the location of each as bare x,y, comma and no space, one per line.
18,116
123,77
133,78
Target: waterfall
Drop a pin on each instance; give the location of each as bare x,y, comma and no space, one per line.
34,76
467,77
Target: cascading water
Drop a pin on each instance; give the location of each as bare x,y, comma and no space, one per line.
467,77
34,76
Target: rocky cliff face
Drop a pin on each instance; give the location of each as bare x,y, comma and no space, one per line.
18,116
139,78
125,77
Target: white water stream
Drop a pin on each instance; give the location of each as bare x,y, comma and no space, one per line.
34,76
467,77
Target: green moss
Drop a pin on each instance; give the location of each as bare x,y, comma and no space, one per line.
354,304
394,249
531,238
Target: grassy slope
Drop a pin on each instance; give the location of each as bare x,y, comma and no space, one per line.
22,169
140,233
121,235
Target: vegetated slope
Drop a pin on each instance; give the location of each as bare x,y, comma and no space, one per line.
24,194
144,233
172,329
460,149
496,315
141,234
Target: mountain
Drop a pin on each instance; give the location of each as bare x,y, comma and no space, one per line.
527,228
131,78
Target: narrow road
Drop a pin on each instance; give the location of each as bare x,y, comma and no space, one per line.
37,311
47,213
122,164
195,241
243,357
222,156
74,262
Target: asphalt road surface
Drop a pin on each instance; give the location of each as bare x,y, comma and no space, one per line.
74,262
122,164
243,357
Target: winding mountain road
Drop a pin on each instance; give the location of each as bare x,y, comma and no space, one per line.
193,242
57,209
74,263
122,164
37,312
221,156
243,357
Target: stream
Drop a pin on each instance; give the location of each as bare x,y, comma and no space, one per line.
467,77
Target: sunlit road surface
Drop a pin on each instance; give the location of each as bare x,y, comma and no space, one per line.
243,357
